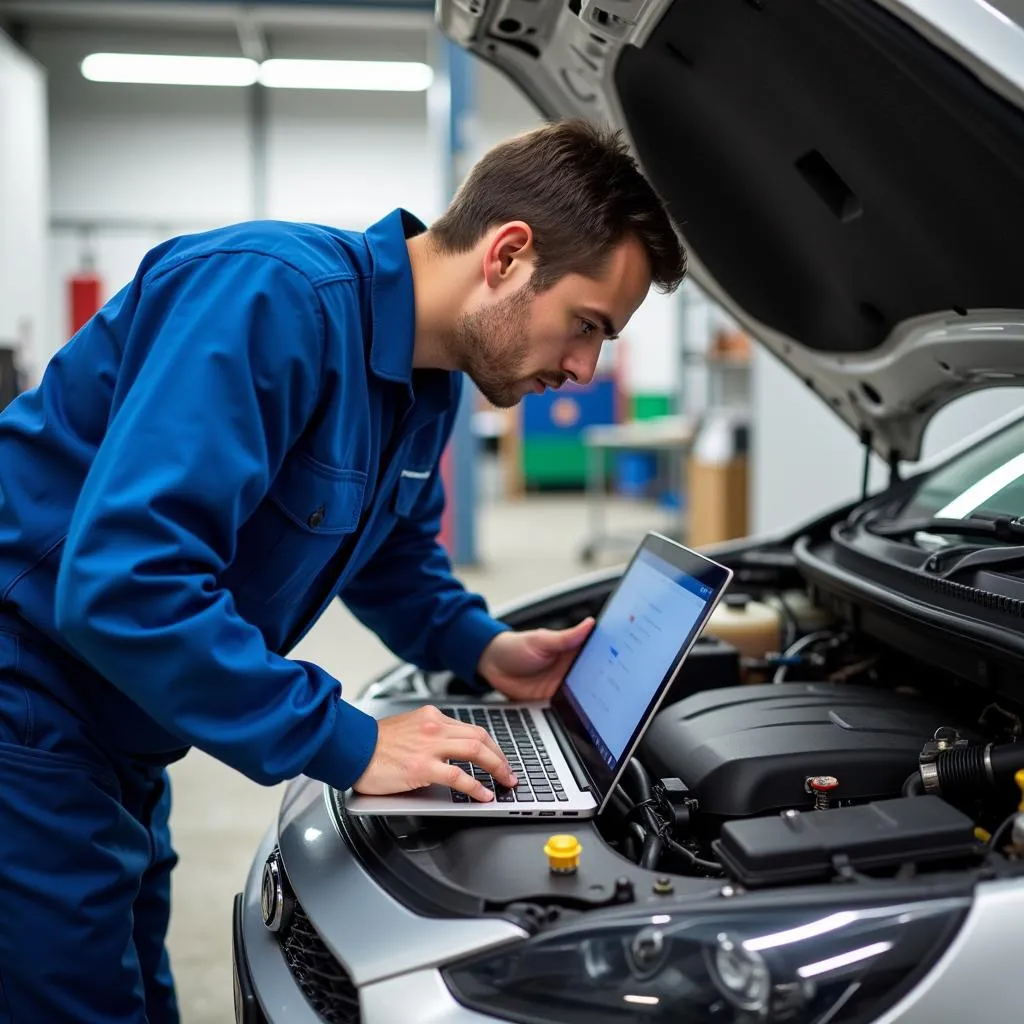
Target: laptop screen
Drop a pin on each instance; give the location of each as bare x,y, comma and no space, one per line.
641,637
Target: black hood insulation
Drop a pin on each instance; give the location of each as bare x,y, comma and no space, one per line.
836,173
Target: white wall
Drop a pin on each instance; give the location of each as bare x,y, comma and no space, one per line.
345,161
651,341
501,109
23,208
147,162
806,460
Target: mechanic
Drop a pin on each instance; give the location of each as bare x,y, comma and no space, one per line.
247,430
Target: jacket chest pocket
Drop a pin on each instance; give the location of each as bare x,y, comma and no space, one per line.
309,514
413,485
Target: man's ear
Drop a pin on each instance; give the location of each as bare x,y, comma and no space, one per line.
509,254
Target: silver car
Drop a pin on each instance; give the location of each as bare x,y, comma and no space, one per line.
822,823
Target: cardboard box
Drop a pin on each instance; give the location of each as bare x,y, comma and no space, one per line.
717,501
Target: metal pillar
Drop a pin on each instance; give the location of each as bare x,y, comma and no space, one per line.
258,149
253,44
450,112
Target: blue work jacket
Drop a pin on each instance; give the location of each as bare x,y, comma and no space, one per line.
236,438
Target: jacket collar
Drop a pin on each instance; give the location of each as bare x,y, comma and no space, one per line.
392,302
393,311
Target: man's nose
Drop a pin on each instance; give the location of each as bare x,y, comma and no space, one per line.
581,365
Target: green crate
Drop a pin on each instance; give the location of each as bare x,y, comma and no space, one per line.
556,462
646,407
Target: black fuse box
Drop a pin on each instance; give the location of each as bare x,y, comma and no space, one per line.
806,846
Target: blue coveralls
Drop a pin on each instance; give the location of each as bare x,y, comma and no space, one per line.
235,439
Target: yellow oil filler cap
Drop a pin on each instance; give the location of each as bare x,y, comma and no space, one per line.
563,853
1019,779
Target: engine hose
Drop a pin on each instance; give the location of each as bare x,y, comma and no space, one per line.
652,851
692,858
914,785
655,839
621,801
634,842
641,778
961,771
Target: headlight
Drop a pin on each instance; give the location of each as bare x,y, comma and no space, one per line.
731,965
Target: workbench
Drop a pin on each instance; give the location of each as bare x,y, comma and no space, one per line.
670,436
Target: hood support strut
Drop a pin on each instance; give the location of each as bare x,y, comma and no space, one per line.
894,464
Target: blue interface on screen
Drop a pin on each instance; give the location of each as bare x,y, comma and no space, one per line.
631,649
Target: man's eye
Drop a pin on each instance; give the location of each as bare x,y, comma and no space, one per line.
587,328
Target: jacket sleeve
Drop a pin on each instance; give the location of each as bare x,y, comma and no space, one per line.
409,597
219,375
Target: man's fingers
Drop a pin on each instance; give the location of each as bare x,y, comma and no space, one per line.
492,761
476,734
454,777
566,639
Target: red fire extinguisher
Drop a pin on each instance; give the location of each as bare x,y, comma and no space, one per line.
84,288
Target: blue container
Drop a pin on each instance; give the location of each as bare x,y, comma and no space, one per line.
635,473
564,413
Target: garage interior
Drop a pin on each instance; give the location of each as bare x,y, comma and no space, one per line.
689,428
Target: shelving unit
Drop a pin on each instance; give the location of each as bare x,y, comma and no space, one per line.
715,386
724,359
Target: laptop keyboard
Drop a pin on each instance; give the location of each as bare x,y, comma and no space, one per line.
518,739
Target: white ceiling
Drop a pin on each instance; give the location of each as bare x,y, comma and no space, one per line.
250,18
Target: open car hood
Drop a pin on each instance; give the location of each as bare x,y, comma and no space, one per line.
848,175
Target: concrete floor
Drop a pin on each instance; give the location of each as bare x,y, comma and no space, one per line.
220,816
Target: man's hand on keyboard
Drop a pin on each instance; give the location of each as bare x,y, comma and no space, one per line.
414,748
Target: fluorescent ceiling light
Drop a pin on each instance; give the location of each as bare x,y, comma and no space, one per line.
164,69
365,75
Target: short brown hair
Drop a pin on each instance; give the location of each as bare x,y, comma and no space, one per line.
582,194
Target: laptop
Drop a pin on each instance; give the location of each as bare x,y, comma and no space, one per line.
570,752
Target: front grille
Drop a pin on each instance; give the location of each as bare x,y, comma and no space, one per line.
323,980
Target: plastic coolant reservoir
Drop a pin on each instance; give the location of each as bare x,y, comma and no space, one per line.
758,628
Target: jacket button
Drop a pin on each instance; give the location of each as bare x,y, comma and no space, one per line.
316,517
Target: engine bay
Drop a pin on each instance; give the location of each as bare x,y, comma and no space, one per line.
795,748
750,750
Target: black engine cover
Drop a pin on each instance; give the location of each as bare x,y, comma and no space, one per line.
748,750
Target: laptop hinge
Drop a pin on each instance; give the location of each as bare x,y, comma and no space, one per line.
574,763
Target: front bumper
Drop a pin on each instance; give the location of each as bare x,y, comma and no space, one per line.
266,991
389,954
247,1006
383,1003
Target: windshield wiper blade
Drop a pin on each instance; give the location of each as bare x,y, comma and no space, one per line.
997,559
1003,528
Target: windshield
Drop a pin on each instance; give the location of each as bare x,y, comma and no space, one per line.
1012,9
987,481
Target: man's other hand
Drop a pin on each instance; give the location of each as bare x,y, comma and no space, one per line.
531,665
413,750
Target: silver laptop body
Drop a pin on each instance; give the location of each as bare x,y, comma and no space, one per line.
567,767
